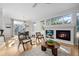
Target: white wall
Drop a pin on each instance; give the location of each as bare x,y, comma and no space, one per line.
29,27
37,27
7,21
4,20
0,18
71,26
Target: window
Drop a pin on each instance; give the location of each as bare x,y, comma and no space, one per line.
56,20
48,22
60,20
52,21
67,19
19,26
42,24
77,22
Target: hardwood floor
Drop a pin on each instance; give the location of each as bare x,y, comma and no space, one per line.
73,49
11,48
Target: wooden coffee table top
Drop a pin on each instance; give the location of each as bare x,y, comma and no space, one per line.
56,45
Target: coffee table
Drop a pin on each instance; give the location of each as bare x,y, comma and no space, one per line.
54,48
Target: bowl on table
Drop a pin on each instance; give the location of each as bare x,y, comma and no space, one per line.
51,42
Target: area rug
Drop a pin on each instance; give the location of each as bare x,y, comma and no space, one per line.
38,52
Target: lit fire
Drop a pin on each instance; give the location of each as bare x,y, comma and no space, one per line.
62,35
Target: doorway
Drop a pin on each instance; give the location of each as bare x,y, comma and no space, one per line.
18,26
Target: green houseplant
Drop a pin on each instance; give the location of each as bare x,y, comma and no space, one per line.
51,42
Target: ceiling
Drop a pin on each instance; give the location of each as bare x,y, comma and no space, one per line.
26,11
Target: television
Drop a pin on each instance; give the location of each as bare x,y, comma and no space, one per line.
63,34
49,33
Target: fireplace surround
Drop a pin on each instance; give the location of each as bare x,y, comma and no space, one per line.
60,34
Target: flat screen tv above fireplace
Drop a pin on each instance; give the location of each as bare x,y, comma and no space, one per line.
63,34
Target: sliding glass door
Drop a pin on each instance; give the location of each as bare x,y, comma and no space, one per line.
77,29
19,26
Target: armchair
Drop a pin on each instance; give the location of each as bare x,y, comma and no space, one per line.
39,36
24,39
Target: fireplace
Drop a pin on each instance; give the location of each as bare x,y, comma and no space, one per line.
63,34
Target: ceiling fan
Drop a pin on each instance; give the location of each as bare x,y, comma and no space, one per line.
35,4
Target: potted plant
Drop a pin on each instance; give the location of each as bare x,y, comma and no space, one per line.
51,42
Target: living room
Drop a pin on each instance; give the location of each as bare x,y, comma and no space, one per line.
42,22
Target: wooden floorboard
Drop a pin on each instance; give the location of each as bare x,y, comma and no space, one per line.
9,49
